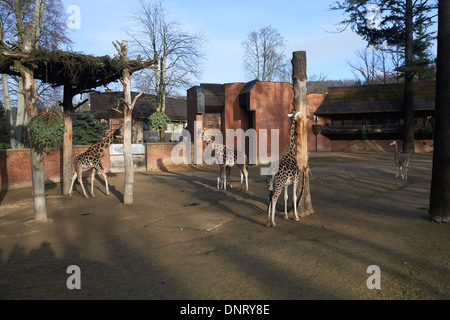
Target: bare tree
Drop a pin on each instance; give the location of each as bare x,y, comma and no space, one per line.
379,64
179,52
6,24
264,57
51,33
122,50
369,66
28,35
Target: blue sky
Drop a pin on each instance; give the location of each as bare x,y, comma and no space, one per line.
305,25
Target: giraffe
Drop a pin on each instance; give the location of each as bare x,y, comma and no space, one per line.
228,158
91,159
286,173
401,161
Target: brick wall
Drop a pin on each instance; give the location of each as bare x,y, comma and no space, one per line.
159,155
15,169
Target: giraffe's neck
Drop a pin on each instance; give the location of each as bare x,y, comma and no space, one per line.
104,144
292,144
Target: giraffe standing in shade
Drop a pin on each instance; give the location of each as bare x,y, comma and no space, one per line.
286,173
401,162
91,159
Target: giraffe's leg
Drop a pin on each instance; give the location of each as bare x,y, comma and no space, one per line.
269,210
74,177
274,204
223,176
80,180
244,174
285,202
242,178
294,195
100,171
271,220
228,173
92,181
406,172
246,177
220,178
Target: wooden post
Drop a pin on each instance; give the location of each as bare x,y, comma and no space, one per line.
299,105
67,142
122,48
36,151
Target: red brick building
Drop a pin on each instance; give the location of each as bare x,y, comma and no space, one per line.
379,109
254,105
340,114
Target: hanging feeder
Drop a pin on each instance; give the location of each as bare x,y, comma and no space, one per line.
46,129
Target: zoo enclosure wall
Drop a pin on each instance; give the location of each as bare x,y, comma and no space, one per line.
15,169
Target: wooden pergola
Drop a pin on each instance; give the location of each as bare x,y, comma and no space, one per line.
77,73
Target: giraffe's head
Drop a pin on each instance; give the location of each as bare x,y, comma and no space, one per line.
207,139
117,133
114,134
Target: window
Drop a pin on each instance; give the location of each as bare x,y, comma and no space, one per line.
212,121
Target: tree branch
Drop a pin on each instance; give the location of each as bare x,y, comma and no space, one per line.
80,104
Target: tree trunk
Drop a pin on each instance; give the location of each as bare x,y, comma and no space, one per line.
408,140
162,84
68,138
30,93
299,85
439,209
127,150
38,180
8,111
20,117
127,126
36,153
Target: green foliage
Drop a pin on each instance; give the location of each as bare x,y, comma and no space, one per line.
316,129
87,129
158,121
426,133
46,129
387,25
364,133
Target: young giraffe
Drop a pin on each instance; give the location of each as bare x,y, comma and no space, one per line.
401,161
287,173
228,158
91,158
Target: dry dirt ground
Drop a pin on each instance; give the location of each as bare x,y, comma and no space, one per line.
184,239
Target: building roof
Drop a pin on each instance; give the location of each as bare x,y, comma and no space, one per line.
244,95
103,102
376,98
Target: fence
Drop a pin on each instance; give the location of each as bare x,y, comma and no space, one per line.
15,169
